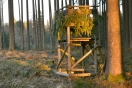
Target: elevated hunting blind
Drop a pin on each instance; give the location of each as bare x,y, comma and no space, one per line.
78,47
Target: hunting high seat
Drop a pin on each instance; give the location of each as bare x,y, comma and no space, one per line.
70,65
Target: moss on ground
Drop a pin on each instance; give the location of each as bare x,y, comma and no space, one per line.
115,78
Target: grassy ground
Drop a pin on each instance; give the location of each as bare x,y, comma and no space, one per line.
32,69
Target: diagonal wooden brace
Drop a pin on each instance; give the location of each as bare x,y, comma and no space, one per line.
62,56
84,56
66,53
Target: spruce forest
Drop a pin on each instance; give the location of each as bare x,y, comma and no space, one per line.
65,44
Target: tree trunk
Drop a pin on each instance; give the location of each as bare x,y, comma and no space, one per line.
83,2
87,2
50,20
66,2
3,42
19,8
70,3
36,22
55,9
114,60
22,28
130,20
39,27
43,29
28,37
11,25
80,2
57,2
126,23
0,27
105,23
62,4
34,26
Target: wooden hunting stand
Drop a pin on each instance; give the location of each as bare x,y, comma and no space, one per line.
70,66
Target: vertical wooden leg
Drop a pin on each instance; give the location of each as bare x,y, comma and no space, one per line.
59,53
95,60
69,50
82,55
95,57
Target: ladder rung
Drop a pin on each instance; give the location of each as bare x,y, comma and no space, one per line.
81,74
73,44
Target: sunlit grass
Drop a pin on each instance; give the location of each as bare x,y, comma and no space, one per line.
37,73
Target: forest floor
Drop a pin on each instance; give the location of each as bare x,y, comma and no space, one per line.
36,69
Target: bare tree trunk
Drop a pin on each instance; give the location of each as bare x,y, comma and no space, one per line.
19,8
28,37
57,4
87,2
22,28
34,26
66,2
50,19
43,29
126,23
104,23
3,42
55,9
0,27
83,2
11,25
73,2
130,20
39,26
80,2
62,4
70,3
114,42
36,22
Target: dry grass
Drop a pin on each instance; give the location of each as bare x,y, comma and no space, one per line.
32,69
28,70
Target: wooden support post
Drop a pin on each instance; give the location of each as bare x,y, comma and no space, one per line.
59,53
95,56
82,55
69,49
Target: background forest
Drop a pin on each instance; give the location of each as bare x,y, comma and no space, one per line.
28,48
5,35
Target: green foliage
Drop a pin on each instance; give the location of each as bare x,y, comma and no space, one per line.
81,19
58,23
